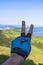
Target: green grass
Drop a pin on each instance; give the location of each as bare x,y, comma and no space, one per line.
36,55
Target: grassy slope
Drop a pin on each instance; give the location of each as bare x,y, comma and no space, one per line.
36,55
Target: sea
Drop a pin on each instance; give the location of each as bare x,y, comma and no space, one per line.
37,31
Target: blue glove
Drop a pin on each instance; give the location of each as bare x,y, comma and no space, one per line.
21,45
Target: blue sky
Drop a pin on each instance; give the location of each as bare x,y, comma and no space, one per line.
12,12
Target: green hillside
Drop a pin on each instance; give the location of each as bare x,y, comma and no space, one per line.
36,55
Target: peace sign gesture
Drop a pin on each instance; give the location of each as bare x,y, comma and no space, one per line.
21,45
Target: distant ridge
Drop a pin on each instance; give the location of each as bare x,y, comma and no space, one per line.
6,27
9,26
38,31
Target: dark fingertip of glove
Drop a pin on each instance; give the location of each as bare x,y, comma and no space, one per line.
29,35
23,34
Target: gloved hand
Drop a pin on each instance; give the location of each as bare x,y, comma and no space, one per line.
22,45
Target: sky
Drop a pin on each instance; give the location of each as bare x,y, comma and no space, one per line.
12,12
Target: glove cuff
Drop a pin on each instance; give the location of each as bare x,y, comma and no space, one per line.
20,52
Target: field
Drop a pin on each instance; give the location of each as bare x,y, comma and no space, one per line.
36,55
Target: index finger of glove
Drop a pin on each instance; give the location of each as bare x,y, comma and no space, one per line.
23,29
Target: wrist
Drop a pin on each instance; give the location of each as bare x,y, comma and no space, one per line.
16,55
17,58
